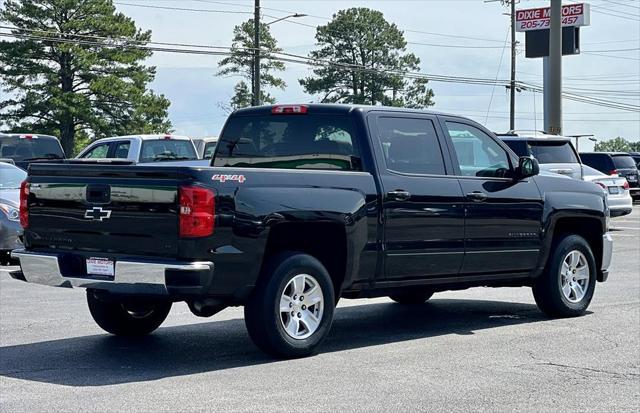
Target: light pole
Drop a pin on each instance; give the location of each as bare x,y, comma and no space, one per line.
255,95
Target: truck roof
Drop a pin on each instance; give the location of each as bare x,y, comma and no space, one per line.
338,108
143,137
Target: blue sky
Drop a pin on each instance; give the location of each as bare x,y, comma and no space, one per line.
190,83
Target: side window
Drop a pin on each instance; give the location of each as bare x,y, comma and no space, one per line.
122,150
410,145
99,152
477,153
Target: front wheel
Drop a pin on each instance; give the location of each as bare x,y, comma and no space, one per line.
566,287
127,318
291,309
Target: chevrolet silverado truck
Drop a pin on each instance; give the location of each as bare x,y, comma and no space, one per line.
304,204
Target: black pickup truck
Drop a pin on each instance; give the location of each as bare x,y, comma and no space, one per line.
304,204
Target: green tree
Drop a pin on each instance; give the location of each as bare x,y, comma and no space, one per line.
240,63
63,78
615,145
362,37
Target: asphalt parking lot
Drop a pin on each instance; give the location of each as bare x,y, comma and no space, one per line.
480,349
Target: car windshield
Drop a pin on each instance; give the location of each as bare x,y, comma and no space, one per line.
11,177
24,149
623,162
553,152
167,150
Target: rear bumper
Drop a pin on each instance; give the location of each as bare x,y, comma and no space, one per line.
607,251
168,278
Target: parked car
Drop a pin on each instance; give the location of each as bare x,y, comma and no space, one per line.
142,148
615,164
636,158
10,179
26,148
616,188
304,204
206,146
554,153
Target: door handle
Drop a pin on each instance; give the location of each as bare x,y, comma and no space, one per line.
399,195
477,196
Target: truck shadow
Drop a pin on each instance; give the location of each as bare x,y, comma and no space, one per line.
100,360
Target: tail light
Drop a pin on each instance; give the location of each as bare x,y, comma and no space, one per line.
613,172
197,212
625,185
600,184
24,204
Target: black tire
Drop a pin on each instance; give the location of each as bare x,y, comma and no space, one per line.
126,319
263,318
412,297
547,289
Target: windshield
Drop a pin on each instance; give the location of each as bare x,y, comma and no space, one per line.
623,162
11,177
21,149
310,141
167,150
553,152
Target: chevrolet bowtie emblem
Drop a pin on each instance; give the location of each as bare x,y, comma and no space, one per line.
97,214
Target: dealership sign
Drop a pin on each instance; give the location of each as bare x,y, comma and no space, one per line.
538,19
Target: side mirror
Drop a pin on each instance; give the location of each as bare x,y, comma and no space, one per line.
527,166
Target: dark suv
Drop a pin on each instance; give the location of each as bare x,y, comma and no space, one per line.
615,163
25,148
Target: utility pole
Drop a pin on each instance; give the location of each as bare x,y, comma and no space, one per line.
553,87
255,95
512,103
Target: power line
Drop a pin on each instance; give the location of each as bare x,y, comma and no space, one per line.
147,6
292,58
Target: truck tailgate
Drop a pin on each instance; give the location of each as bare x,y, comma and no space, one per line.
109,209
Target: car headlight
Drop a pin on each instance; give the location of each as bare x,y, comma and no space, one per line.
12,213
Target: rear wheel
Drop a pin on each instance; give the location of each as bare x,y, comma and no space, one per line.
566,287
291,309
127,318
412,297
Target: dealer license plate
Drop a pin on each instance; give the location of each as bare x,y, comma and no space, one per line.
100,266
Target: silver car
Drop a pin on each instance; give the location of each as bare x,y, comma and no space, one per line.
554,153
10,179
616,188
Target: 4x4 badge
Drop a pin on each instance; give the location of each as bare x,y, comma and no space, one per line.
97,214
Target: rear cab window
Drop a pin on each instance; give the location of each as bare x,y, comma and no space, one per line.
166,149
27,147
290,141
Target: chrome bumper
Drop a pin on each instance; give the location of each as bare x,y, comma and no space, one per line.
130,277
